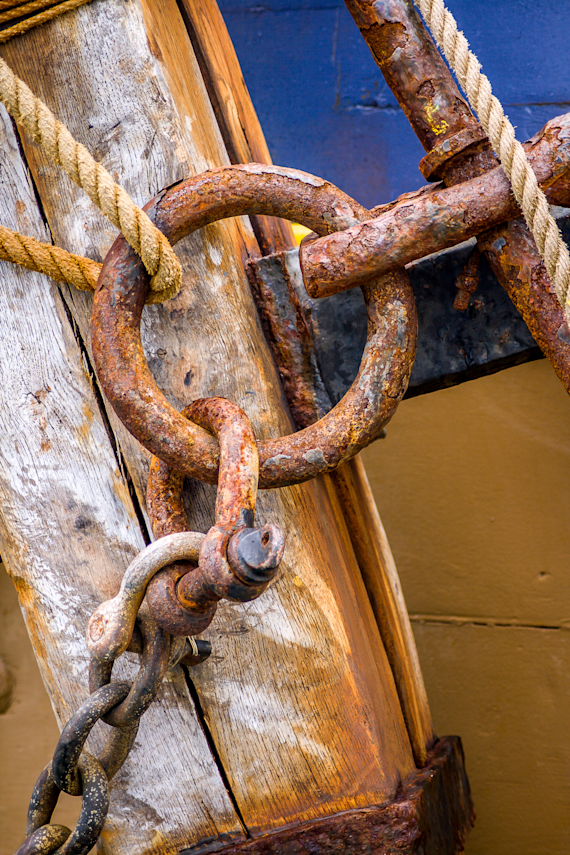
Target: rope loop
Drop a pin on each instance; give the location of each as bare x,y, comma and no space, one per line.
44,129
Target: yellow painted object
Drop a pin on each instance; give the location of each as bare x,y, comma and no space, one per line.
300,232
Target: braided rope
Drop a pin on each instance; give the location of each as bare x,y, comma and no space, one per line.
501,133
42,126
23,9
10,4
36,20
51,260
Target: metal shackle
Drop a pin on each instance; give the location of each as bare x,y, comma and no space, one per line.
236,561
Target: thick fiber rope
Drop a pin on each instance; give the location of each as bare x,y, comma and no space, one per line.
51,260
36,20
9,12
501,133
42,126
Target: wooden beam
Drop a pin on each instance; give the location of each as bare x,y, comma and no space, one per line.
237,119
245,142
298,697
68,528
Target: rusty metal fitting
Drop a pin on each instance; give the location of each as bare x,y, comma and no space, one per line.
196,651
253,554
237,567
124,374
111,625
165,507
468,281
236,561
433,165
433,221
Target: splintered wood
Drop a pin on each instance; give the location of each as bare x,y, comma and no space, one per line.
298,696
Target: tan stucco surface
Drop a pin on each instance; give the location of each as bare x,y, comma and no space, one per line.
472,484
28,730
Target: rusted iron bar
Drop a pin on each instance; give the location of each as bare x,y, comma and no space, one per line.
415,71
511,253
289,338
124,374
419,78
431,221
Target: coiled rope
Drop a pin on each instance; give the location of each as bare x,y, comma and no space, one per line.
501,133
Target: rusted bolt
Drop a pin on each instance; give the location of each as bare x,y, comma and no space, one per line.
467,281
253,554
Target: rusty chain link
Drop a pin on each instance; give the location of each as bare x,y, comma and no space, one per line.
118,704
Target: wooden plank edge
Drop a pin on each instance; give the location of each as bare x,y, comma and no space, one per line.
233,107
380,578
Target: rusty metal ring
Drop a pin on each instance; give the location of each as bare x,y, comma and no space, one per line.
125,376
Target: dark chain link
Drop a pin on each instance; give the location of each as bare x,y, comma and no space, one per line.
78,773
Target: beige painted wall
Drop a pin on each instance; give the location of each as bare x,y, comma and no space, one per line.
472,484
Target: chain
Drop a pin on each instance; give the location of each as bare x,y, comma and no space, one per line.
235,560
120,705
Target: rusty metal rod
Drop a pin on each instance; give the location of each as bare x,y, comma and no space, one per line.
423,85
433,221
415,71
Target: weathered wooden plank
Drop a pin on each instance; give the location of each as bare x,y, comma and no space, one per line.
241,131
380,577
289,314
67,531
245,141
298,694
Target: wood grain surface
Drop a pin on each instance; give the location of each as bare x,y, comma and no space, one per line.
68,529
298,696
244,140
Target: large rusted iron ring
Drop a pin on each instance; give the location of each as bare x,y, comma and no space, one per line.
123,371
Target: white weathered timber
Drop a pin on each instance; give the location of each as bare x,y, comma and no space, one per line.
298,693
67,532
